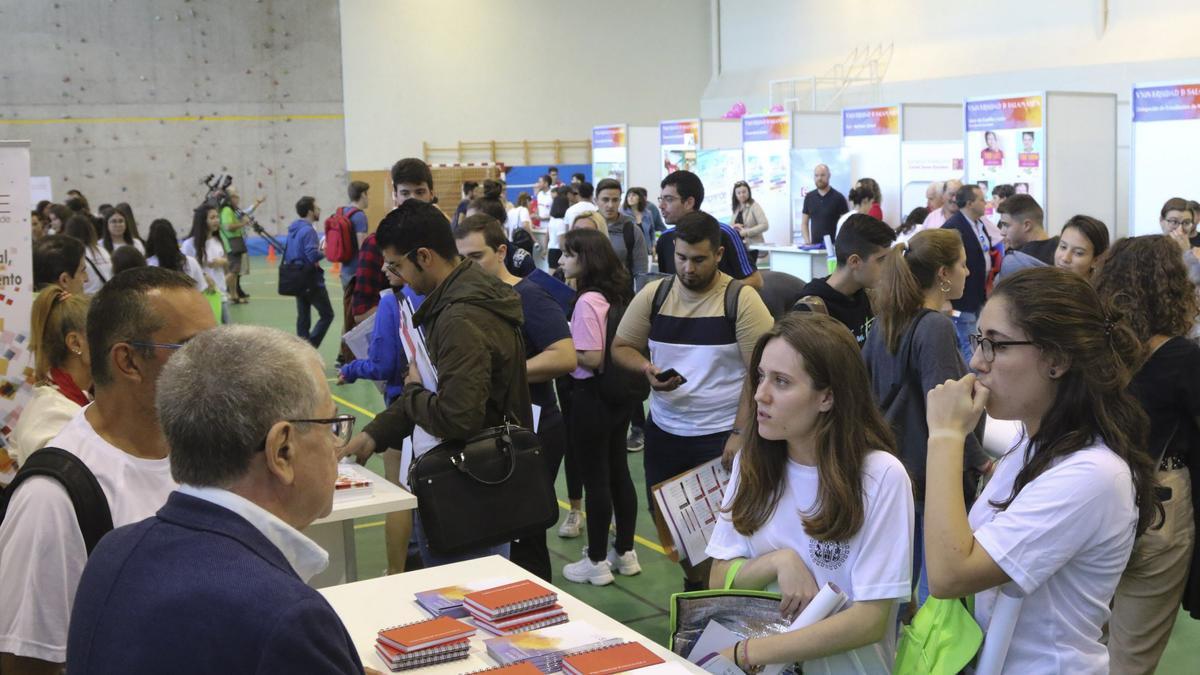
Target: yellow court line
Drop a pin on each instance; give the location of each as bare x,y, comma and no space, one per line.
177,118
343,402
637,537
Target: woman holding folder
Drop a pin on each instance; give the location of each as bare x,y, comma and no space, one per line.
817,496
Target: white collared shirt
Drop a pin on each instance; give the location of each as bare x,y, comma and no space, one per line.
985,242
305,557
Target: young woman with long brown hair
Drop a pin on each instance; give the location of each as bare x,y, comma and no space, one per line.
1147,279
913,347
817,496
1056,523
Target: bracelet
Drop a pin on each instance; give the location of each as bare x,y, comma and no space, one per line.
735,651
746,654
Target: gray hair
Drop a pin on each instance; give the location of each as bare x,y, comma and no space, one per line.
222,392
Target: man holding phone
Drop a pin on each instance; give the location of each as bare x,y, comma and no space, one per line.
702,330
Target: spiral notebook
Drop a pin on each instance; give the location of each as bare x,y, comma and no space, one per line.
522,626
397,660
610,660
546,647
421,635
503,601
514,669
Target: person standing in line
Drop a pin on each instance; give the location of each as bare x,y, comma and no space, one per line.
864,197
683,193
644,214
543,199
1145,279
356,213
822,208
817,496
933,196
549,354
1056,524
98,260
118,233
206,248
303,247
580,195
695,415
557,226
58,261
1082,241
938,217
1026,242
621,229
968,222
749,219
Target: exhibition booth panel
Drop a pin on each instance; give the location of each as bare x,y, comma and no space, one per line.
1165,142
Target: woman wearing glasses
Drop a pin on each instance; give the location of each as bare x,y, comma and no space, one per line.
1056,524
913,347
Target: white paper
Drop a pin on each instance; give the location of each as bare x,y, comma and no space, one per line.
358,339
718,665
690,505
999,632
715,638
537,417
413,340
827,602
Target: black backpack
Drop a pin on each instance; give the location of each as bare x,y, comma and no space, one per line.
619,387
91,506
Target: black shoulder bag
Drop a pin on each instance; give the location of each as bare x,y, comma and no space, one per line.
295,278
484,491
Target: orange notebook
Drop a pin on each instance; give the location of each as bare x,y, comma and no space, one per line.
412,637
509,599
523,668
615,659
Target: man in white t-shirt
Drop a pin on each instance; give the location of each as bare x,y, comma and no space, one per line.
581,202
544,200
135,323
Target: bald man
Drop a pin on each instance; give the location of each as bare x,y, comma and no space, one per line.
822,208
939,217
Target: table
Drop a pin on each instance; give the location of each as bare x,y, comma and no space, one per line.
335,532
804,265
366,607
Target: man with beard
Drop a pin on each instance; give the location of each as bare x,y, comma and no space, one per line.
822,208
703,325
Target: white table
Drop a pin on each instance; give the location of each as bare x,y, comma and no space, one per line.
335,532
366,607
804,265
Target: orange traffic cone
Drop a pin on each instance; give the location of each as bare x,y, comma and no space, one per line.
270,255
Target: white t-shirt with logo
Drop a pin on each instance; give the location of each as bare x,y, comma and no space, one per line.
544,201
1064,541
42,553
875,564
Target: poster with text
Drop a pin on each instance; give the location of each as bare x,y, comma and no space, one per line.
1005,143
679,140
804,163
767,161
873,137
718,171
1165,137
925,162
610,153
16,292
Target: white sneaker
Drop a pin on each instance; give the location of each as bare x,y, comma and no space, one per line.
626,564
584,571
571,525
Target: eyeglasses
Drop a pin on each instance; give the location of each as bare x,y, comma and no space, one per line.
667,199
341,426
156,345
1175,222
987,346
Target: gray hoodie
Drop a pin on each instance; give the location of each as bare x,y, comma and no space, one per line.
641,256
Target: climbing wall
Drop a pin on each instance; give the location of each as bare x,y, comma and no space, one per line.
137,101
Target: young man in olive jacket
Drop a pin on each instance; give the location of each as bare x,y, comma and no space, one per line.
471,325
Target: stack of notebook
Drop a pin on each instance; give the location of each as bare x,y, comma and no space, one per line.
423,643
610,660
546,648
448,600
351,485
513,608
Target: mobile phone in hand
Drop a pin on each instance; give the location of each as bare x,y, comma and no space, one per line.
668,374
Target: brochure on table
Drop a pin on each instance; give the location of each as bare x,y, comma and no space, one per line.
610,153
766,155
719,170
679,141
16,288
925,162
1166,136
804,163
1005,143
872,135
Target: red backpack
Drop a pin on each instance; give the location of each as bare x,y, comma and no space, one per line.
341,241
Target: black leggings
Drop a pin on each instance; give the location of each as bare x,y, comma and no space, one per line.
598,430
569,457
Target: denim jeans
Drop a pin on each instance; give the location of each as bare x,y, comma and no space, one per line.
316,297
964,326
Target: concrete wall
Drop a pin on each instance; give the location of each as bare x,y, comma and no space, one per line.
443,71
160,94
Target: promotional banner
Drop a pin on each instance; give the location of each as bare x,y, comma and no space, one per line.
1005,143
925,162
1165,137
766,156
873,137
804,163
16,291
679,140
718,171
610,153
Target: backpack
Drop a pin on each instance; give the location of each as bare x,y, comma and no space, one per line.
341,241
630,241
618,387
87,497
732,293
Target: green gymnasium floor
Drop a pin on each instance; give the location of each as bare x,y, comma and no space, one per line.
640,602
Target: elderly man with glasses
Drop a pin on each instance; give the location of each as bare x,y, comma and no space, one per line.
114,449
215,581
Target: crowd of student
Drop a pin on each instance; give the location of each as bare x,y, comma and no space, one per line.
851,416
